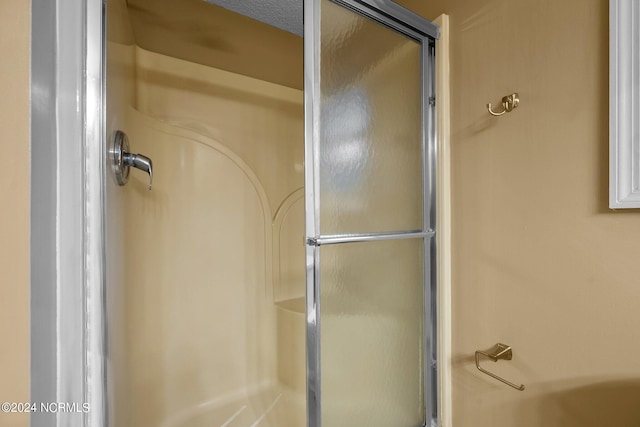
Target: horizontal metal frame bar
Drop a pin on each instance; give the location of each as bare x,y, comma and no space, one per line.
392,14
370,237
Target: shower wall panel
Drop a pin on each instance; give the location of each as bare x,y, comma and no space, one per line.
201,330
261,122
120,96
205,340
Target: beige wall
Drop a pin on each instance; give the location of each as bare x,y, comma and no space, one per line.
14,215
539,261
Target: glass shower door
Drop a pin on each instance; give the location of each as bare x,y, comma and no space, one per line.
370,225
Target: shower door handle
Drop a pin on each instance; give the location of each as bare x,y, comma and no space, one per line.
122,159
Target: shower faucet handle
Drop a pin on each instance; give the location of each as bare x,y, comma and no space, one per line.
141,162
122,159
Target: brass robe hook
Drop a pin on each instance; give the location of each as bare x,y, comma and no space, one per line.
508,104
499,352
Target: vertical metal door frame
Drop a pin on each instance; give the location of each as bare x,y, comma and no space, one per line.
68,343
416,27
95,203
312,133
430,247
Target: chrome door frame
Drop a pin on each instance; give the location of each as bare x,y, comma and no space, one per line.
414,26
68,342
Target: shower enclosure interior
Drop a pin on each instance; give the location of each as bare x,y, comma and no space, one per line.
235,295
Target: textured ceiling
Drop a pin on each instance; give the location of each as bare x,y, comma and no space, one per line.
283,14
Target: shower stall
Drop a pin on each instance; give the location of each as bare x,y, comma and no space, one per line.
279,270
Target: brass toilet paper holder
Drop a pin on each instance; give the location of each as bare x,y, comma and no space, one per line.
499,352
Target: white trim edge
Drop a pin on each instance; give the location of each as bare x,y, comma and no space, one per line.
58,309
624,103
443,194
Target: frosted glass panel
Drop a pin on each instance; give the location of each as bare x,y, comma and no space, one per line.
371,302
370,148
